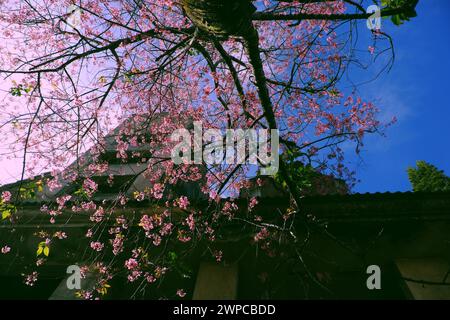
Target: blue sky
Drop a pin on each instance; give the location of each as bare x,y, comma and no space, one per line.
416,91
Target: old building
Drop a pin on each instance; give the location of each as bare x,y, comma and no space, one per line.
405,235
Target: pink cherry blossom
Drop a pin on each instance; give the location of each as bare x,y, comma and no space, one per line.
6,196
150,278
5,250
218,255
181,293
61,201
117,244
40,262
31,279
261,235
183,236
190,222
183,202
97,246
134,275
98,215
139,196
166,229
146,223
253,202
90,187
156,240
131,264
157,191
60,235
54,184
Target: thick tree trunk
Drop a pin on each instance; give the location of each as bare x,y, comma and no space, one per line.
220,18
252,46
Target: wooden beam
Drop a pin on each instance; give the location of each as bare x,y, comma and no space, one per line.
216,282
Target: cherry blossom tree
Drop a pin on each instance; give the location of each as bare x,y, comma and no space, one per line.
74,70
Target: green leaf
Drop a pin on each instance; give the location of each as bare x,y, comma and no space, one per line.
15,92
43,249
396,20
6,214
172,256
